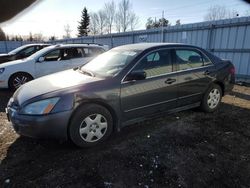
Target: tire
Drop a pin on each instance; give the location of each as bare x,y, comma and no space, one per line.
212,99
90,125
18,79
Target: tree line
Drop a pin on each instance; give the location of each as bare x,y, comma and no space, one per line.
113,17
118,17
30,37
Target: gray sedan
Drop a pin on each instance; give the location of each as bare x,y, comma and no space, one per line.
124,85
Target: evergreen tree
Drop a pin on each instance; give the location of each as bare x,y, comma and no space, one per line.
31,37
83,28
2,35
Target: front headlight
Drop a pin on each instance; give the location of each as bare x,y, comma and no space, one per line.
40,107
2,70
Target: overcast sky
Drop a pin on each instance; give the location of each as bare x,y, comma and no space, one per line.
49,16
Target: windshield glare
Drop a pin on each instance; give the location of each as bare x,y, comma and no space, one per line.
40,52
110,63
17,50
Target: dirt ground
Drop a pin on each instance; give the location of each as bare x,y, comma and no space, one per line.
186,149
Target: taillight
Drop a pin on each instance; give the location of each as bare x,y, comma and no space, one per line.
232,70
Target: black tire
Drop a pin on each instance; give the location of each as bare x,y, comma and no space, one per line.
23,77
78,122
205,104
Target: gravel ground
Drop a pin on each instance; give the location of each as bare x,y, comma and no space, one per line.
186,149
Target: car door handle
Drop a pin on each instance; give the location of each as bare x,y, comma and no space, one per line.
206,72
170,81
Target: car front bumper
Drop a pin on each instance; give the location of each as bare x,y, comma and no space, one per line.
3,82
52,126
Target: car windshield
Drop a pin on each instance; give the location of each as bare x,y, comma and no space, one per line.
110,63
17,49
40,52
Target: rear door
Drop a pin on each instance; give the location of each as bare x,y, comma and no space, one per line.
156,93
195,73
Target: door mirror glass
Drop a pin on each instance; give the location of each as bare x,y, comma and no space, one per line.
136,75
41,59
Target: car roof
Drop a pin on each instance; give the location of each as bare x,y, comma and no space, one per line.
78,45
37,44
145,46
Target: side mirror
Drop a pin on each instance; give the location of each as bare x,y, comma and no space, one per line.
136,75
41,59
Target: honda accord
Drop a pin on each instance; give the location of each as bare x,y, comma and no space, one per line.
124,85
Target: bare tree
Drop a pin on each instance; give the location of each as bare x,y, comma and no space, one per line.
124,12
109,10
133,21
118,22
94,24
98,22
105,19
218,12
102,21
67,31
38,37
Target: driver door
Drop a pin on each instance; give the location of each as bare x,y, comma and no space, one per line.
54,61
156,93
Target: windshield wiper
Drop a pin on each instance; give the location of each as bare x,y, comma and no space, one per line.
87,72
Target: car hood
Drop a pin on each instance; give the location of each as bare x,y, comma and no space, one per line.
4,55
10,63
51,83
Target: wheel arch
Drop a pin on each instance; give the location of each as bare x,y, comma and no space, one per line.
19,72
221,84
101,103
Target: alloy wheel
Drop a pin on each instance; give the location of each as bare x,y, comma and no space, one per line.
20,80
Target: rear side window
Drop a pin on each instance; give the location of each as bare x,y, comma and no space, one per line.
78,53
189,59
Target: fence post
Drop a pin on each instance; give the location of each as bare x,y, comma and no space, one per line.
6,47
111,41
210,38
163,35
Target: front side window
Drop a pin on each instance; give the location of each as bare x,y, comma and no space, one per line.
53,55
189,59
156,63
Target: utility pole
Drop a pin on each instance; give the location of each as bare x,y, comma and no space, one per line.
162,25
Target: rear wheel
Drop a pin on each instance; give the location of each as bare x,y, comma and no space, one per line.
212,99
90,125
18,79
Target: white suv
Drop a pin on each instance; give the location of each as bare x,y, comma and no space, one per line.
47,61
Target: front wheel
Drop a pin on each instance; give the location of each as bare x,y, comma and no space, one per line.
212,99
18,79
90,125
